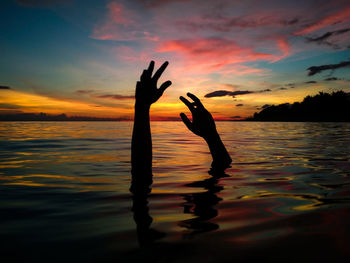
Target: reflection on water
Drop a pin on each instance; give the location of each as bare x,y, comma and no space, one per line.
64,190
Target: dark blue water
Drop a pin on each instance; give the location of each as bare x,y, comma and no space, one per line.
64,194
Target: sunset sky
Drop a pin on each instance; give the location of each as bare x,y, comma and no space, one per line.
83,58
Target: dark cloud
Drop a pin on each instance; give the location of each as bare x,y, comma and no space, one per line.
331,79
318,69
4,87
39,3
239,105
222,23
159,3
290,84
9,106
284,88
85,91
326,36
222,93
114,96
310,82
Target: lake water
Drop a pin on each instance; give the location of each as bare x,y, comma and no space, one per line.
64,189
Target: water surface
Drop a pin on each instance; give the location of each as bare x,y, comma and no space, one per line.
64,189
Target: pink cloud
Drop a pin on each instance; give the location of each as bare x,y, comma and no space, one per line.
222,23
159,3
121,24
118,14
339,17
213,54
222,50
284,48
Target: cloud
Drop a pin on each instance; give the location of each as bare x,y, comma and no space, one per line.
214,53
239,105
5,87
113,96
83,91
9,106
39,3
160,3
339,17
310,82
222,23
318,69
121,24
326,37
222,93
331,79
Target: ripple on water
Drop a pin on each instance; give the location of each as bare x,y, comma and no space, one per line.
69,183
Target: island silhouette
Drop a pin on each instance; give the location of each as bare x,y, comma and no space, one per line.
51,117
330,107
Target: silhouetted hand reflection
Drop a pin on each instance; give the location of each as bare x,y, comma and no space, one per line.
203,125
202,205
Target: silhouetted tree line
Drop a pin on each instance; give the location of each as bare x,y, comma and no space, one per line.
46,117
333,106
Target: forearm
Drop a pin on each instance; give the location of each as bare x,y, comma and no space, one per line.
221,158
141,148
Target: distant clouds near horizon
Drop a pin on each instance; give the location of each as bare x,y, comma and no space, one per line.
4,87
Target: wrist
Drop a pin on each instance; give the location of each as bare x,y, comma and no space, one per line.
142,107
212,137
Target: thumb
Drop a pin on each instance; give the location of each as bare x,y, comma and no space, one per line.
187,122
164,86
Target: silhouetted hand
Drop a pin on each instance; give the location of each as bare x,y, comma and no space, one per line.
146,89
202,122
203,125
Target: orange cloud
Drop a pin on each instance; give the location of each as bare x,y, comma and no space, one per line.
338,17
16,101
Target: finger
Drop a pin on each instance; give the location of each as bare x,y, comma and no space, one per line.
195,99
164,86
144,75
150,69
160,71
187,103
138,87
186,120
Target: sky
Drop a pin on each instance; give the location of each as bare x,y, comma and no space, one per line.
83,58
